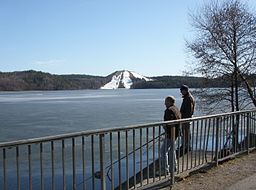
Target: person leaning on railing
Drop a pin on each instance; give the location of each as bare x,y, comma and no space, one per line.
171,113
187,110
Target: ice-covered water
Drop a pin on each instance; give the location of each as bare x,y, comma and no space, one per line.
29,114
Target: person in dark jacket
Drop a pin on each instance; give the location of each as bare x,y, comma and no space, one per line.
171,113
187,110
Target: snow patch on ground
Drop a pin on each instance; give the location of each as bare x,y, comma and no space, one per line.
127,82
136,75
123,79
114,83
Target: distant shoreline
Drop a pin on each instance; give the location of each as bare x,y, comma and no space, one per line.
37,80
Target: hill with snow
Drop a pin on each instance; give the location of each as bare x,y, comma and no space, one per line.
123,79
37,80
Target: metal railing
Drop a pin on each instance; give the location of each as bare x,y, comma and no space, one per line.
123,158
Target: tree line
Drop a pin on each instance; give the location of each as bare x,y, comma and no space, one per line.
37,80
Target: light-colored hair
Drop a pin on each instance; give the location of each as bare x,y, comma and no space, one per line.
170,98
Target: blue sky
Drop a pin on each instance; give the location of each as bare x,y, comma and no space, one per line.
95,37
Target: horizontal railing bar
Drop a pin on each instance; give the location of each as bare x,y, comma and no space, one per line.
116,129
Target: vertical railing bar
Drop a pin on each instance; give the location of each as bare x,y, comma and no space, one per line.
254,129
127,159
227,133
63,164
159,151
18,167
84,163
217,141
241,130
228,124
147,146
183,149
102,161
213,137
192,144
141,172
119,160
200,141
204,139
207,139
241,133
52,160
74,163
241,136
178,150
251,130
230,132
224,126
242,145
154,158
134,158
29,167
196,151
223,134
4,169
220,134
207,136
234,135
41,167
245,132
248,134
254,126
172,156
92,156
166,152
111,160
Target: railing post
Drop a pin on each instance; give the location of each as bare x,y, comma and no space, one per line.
102,162
4,169
74,163
248,132
217,142
172,156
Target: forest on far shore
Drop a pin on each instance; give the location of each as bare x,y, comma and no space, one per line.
37,80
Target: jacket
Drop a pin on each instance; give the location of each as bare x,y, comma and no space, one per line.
172,113
188,106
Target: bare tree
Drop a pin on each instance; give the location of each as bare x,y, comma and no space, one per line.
225,48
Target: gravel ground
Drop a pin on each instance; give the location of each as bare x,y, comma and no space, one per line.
228,175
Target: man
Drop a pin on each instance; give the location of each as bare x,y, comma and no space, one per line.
187,111
171,113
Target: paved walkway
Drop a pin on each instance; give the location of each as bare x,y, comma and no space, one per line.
248,183
236,174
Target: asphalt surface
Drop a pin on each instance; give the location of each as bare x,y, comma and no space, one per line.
235,174
248,183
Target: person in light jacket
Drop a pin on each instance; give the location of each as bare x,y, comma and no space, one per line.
171,113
